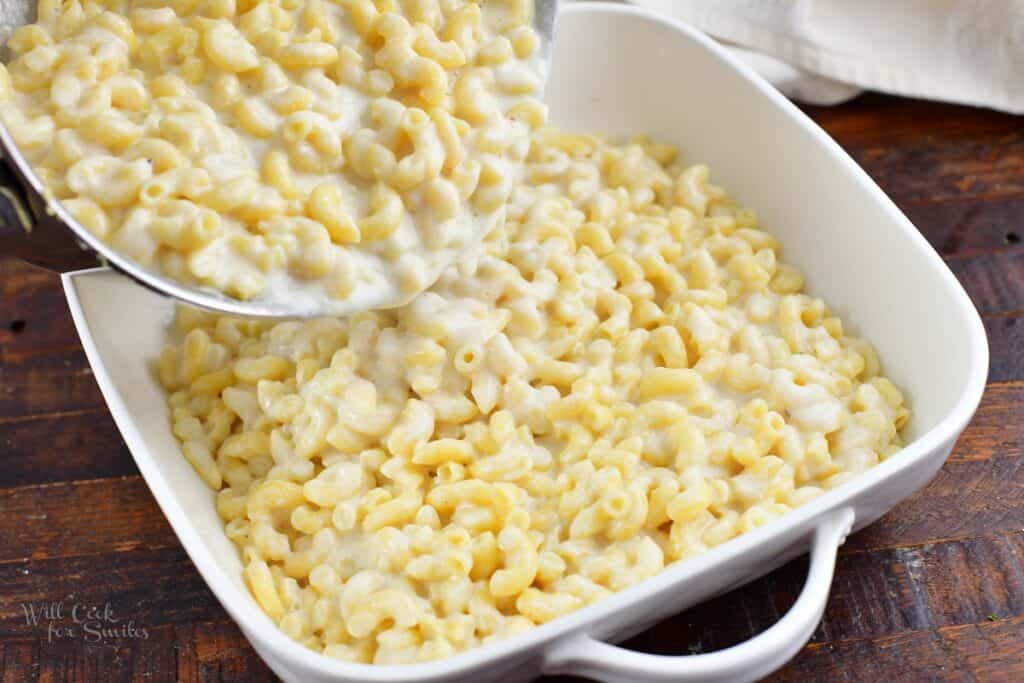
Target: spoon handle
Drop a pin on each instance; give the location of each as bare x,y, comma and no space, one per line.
44,242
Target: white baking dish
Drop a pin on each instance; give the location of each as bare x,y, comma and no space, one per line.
625,71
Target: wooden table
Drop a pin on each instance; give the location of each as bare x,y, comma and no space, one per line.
934,591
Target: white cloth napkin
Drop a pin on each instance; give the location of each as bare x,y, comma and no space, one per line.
827,51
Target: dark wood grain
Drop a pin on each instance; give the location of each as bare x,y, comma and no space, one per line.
996,429
152,587
933,591
880,121
44,382
969,224
930,152
987,651
1005,342
33,317
993,280
108,514
195,652
935,168
82,445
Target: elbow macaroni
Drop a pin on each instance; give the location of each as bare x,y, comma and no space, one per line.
622,376
352,148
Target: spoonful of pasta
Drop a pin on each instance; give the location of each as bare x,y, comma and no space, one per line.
254,160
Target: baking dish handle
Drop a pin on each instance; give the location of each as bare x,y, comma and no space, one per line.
748,661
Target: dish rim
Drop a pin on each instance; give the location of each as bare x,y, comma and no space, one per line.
265,634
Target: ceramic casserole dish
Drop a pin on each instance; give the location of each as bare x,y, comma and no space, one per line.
625,71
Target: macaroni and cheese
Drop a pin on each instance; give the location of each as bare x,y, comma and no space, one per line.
622,375
339,151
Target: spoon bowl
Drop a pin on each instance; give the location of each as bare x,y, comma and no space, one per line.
36,228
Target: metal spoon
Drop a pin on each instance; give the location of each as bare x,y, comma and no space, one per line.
36,228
